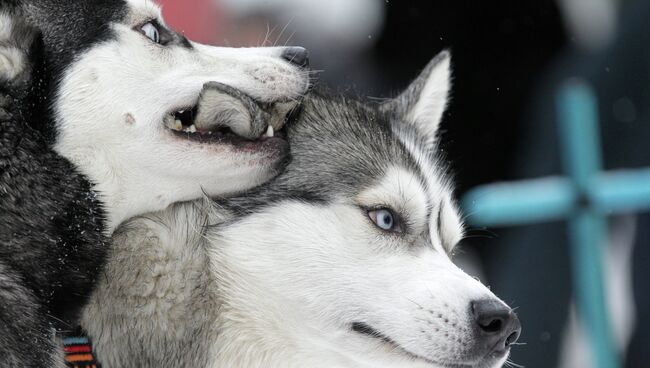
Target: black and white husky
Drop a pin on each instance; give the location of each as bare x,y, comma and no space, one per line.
106,114
343,260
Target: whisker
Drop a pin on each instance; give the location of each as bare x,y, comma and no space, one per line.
414,302
58,319
289,39
378,99
510,363
479,236
273,30
268,33
483,230
282,31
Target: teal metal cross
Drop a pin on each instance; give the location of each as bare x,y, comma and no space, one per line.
585,197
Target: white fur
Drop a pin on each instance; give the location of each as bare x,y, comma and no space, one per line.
294,277
12,59
112,101
11,62
432,101
446,207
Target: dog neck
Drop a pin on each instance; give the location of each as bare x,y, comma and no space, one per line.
127,197
124,192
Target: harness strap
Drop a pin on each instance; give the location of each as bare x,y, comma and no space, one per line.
79,351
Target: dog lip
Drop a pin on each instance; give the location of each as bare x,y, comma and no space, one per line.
223,135
365,329
176,121
263,145
214,133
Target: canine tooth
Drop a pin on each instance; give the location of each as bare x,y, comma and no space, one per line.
177,125
269,131
192,128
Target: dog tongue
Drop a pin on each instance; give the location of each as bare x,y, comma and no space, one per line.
222,106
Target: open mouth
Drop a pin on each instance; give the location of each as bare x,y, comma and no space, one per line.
182,123
227,116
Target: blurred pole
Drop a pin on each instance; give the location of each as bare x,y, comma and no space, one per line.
579,141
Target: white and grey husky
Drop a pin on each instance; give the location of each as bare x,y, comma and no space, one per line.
343,260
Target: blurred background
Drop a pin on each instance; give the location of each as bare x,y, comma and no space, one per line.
509,57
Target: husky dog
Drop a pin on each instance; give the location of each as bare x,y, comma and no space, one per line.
343,260
106,113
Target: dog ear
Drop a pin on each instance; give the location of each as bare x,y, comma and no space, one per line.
425,99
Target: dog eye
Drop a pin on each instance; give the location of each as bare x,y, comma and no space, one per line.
385,219
151,31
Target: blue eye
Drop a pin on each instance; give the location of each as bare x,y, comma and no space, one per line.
151,32
384,219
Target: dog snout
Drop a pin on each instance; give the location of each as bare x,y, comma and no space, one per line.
298,56
497,326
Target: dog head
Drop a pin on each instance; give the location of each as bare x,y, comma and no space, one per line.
136,106
348,250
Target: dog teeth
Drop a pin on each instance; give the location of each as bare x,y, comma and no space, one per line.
269,132
177,125
173,124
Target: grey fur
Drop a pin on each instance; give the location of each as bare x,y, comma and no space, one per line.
222,105
146,275
157,304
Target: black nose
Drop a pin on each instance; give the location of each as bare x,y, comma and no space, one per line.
298,56
497,325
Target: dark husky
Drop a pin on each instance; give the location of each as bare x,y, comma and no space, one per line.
106,113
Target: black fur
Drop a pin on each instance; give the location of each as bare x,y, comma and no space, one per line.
51,222
68,28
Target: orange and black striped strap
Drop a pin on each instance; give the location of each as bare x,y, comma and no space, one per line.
79,352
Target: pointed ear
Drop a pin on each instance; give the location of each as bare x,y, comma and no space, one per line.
425,100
